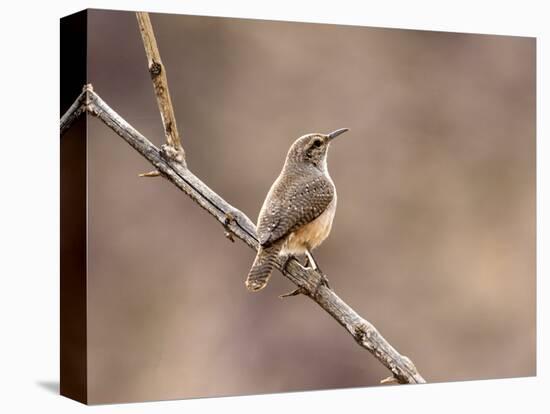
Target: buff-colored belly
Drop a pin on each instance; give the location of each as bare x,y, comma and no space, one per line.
311,235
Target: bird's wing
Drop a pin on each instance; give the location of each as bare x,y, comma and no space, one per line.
293,206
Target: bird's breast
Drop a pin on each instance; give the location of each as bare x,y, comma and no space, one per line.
312,234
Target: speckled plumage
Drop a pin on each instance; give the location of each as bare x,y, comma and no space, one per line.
298,211
295,199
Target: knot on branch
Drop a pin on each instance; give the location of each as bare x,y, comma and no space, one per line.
168,128
155,69
227,220
170,153
362,333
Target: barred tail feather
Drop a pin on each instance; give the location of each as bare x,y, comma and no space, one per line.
262,268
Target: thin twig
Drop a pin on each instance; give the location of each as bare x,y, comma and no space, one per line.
160,84
153,173
309,281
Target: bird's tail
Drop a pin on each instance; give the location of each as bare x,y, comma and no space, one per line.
262,267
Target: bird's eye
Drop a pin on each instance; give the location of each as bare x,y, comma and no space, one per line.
317,143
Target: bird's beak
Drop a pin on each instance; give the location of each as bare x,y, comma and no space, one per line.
334,134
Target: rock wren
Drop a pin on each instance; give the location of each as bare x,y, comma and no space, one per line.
298,211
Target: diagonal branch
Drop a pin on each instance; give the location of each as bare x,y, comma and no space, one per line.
160,84
238,224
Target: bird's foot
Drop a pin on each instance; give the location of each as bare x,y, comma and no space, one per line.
299,290
295,292
323,281
309,265
310,261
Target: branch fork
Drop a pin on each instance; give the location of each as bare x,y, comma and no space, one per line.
160,84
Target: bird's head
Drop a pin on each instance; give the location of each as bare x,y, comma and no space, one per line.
312,148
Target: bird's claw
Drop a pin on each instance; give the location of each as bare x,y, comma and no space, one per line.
295,292
322,282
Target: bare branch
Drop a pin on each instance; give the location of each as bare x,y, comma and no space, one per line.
238,224
160,84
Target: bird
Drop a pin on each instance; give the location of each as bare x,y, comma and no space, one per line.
298,211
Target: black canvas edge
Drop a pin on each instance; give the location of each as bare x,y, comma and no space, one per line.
73,219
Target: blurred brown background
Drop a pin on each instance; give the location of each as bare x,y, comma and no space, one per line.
434,236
